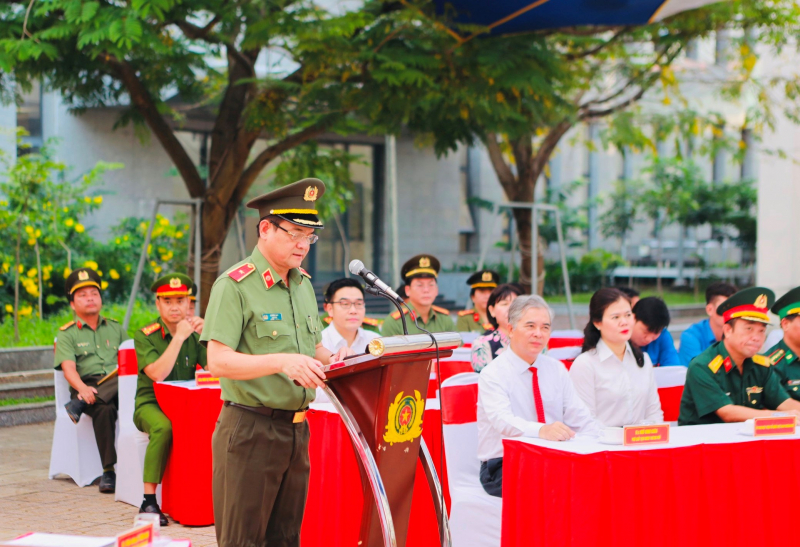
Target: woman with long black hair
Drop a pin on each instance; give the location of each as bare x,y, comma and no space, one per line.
613,376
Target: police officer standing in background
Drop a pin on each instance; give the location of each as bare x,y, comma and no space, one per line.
263,334
481,285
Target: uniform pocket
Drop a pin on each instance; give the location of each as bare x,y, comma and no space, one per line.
313,324
275,336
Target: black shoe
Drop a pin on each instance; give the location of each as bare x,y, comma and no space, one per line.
154,508
74,409
108,482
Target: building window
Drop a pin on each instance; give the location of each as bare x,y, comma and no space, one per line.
29,116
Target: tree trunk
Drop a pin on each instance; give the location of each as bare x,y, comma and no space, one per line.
215,225
345,244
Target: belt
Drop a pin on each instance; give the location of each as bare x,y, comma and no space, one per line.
275,413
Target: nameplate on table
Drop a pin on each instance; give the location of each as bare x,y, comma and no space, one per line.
204,378
775,425
635,435
141,536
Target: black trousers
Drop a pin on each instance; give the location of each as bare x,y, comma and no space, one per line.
492,477
104,417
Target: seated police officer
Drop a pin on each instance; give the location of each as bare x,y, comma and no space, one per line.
730,382
86,350
168,349
481,285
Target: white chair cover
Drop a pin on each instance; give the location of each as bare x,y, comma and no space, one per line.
670,376
74,452
131,443
475,516
568,352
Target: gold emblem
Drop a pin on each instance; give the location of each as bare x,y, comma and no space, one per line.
83,275
424,262
174,283
311,193
487,276
761,301
405,419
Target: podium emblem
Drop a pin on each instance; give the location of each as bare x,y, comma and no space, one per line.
405,418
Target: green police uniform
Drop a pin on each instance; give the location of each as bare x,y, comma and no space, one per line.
95,355
784,360
151,342
260,445
713,379
470,320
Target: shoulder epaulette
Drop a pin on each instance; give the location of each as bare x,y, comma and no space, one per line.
150,329
761,360
715,363
66,325
305,273
241,272
328,320
373,322
462,313
396,315
776,356
441,309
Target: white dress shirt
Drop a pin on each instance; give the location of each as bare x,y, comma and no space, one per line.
506,407
333,341
618,393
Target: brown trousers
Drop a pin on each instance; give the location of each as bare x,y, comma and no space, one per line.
260,479
104,416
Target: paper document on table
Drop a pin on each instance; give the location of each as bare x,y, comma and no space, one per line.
38,539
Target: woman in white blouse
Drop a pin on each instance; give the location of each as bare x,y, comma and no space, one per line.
613,376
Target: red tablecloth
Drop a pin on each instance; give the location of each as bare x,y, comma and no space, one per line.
186,488
709,495
335,499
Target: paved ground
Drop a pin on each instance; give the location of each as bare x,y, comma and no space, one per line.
29,501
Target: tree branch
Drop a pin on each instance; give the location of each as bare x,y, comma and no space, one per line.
147,107
600,47
198,33
504,174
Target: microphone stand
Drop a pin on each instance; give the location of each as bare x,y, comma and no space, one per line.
377,292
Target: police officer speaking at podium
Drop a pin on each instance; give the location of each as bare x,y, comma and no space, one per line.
264,334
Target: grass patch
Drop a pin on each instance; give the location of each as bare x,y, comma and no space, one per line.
36,332
26,400
670,298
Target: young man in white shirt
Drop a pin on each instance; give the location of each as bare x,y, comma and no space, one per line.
523,393
344,303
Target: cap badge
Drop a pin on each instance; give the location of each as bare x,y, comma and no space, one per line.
761,301
487,276
83,275
424,262
311,193
174,283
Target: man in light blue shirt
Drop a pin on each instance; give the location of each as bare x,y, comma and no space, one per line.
650,331
697,338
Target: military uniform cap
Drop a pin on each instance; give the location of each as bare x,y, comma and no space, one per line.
420,266
484,279
80,278
788,304
295,203
751,304
172,284
193,292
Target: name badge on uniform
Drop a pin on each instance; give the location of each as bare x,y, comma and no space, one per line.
82,344
272,317
793,382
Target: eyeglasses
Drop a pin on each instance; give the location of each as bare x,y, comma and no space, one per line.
347,304
313,238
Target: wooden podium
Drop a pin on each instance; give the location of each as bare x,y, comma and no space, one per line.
381,398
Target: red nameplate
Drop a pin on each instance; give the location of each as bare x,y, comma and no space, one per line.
770,427
204,378
141,536
646,434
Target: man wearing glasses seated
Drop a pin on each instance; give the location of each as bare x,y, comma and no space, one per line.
344,303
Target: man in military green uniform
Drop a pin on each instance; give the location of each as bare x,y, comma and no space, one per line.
419,274
783,355
264,342
481,284
193,299
168,349
86,350
730,382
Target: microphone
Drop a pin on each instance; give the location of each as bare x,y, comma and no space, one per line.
357,268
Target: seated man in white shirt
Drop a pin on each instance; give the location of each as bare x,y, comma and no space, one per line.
344,303
523,393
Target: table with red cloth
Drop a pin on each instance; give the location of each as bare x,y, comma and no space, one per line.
710,487
186,486
335,500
